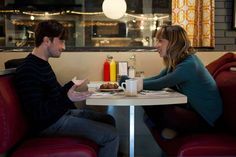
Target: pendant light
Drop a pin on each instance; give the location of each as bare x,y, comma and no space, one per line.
114,9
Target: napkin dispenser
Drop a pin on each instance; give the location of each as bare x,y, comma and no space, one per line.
122,68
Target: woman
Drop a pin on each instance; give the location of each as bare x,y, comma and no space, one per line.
185,73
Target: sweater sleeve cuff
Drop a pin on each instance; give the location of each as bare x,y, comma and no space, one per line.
68,86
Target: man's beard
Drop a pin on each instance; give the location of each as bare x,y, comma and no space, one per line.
53,54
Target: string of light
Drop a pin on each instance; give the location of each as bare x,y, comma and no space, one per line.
43,14
9,11
84,13
141,17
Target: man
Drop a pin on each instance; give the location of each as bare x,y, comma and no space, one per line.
48,106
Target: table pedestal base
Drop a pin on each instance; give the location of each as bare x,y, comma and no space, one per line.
131,130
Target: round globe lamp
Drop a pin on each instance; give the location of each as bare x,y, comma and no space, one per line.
114,9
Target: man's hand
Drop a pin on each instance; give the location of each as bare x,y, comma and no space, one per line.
79,83
77,96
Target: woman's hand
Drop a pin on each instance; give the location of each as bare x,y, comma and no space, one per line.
75,96
122,79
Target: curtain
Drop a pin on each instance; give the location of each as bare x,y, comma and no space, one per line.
197,18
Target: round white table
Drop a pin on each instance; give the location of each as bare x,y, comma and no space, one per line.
142,99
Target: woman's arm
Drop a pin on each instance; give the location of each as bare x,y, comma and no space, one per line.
181,74
162,73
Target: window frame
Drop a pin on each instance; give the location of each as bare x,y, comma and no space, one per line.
234,14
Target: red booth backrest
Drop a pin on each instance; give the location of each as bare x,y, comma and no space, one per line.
226,82
12,123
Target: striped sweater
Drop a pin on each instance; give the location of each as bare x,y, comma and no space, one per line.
43,99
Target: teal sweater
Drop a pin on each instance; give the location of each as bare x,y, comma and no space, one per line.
193,80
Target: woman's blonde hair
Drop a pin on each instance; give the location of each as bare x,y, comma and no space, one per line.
179,46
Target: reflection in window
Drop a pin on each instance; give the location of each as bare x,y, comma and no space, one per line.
87,26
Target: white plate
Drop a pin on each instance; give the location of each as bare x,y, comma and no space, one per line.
111,90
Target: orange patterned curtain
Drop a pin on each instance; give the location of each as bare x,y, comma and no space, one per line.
197,17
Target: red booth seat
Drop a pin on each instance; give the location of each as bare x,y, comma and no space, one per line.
209,145
220,141
13,131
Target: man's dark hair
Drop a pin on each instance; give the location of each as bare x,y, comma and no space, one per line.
50,29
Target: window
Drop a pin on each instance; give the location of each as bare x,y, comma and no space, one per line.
86,24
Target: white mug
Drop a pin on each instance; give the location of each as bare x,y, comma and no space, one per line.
130,87
139,83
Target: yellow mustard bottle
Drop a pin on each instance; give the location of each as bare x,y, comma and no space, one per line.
112,70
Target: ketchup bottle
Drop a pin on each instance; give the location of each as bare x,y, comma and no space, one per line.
106,70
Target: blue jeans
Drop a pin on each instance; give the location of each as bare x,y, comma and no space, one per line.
89,124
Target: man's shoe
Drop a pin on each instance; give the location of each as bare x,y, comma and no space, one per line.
168,134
